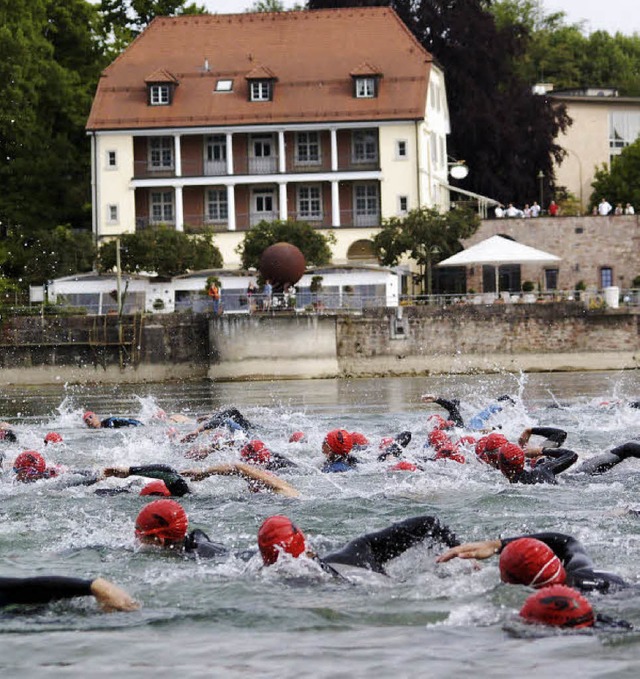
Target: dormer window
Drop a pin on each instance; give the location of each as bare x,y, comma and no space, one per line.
366,81
261,82
161,86
159,95
366,88
260,90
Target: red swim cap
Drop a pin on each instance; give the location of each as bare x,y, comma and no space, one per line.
359,439
531,562
53,437
510,458
467,440
559,606
278,534
385,442
450,453
87,415
339,441
404,466
495,440
438,439
255,451
296,437
164,519
30,459
157,487
438,422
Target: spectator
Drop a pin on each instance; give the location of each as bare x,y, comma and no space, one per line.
618,210
628,209
252,290
535,209
214,293
513,211
554,209
604,208
526,213
267,294
499,212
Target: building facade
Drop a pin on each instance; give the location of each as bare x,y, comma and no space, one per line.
334,117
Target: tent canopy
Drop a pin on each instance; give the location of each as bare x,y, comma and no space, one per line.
496,251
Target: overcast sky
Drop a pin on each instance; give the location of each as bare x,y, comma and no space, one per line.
608,15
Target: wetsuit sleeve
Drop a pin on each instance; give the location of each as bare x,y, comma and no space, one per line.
602,463
119,422
479,420
172,480
557,436
280,462
41,590
452,407
73,478
232,414
199,543
556,461
373,550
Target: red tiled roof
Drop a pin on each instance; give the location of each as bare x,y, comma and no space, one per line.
161,75
260,72
310,52
365,69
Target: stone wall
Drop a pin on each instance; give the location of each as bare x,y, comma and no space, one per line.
585,244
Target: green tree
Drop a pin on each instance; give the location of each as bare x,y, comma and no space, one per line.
38,257
163,250
421,232
621,182
315,246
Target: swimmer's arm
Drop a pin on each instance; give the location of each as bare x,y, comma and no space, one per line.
523,439
247,472
472,550
111,597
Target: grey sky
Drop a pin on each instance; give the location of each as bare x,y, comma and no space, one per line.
611,16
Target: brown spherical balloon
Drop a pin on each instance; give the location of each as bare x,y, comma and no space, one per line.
282,263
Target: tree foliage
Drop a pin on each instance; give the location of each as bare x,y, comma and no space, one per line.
43,255
423,229
314,245
621,182
165,251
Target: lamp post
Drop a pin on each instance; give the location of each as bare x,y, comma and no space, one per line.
541,181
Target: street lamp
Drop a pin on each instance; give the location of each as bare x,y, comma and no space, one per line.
458,169
541,180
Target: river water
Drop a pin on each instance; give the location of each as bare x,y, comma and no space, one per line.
232,618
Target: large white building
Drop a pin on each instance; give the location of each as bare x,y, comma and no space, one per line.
334,117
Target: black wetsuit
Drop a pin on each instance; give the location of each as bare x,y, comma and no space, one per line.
373,550
452,407
175,483
8,435
227,416
198,543
604,462
41,590
577,564
119,422
554,437
395,449
277,462
555,460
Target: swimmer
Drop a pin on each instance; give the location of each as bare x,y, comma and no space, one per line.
360,441
94,422
336,446
479,420
52,438
164,524
278,534
511,462
565,607
539,560
599,464
43,589
258,479
231,418
395,448
255,452
7,435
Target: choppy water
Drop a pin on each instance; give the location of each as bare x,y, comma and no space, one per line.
234,619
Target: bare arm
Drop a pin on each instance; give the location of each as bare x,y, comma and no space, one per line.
246,471
472,550
111,597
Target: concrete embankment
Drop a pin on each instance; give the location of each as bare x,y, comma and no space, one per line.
424,340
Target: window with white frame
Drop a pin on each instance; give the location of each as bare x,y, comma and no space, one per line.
161,207
364,146
112,214
161,153
309,202
260,90
112,160
365,88
307,148
366,204
217,206
402,149
403,204
224,86
159,95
